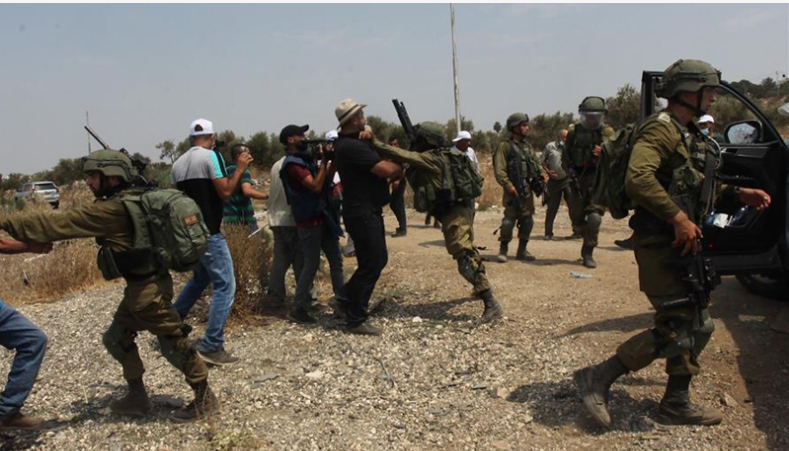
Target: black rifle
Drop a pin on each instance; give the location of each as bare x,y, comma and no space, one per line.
524,185
700,274
136,162
405,121
701,278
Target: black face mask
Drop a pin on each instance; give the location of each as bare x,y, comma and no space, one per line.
303,146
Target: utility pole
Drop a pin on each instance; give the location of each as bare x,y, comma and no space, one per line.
87,122
455,67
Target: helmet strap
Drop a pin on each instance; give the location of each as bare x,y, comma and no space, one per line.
695,108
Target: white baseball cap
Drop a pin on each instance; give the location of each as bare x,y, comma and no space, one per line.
331,135
462,135
706,118
201,127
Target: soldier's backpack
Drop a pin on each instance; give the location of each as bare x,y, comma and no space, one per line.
609,185
465,178
460,180
170,224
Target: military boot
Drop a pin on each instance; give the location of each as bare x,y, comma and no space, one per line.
493,310
586,255
503,247
204,405
676,408
136,402
594,383
523,253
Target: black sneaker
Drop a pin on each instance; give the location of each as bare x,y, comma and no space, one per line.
301,316
399,232
219,357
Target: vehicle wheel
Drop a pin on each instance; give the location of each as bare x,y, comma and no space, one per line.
773,286
56,205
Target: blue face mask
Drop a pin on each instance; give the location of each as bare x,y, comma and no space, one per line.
705,131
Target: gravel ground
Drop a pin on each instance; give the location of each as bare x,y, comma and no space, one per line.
434,380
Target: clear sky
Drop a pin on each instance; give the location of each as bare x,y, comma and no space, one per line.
146,71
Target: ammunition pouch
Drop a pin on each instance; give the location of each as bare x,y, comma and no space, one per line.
132,264
106,262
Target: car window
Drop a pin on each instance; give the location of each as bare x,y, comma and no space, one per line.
728,109
44,186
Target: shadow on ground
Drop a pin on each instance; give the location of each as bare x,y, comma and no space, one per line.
556,405
762,357
630,323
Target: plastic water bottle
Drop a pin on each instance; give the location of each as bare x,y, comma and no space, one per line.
740,218
578,275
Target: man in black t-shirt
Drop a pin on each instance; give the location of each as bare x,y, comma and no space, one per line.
365,192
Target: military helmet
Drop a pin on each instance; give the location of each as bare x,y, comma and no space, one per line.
687,75
592,104
432,133
110,163
515,119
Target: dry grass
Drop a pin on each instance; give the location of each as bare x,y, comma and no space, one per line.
491,190
251,262
70,267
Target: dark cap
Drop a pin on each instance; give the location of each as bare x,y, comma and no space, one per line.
292,130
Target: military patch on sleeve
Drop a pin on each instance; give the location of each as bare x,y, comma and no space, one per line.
664,117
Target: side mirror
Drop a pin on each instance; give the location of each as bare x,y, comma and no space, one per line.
783,110
744,132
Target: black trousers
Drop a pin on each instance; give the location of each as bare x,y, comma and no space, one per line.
369,239
397,203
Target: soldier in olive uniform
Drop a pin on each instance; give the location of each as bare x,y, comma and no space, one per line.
146,303
515,164
429,173
661,173
583,147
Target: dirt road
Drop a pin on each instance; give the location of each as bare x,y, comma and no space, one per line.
434,380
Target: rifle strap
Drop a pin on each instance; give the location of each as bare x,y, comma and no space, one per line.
707,187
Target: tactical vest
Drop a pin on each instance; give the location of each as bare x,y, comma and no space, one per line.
520,164
580,144
686,184
169,233
304,204
459,181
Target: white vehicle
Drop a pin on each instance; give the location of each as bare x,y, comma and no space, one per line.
47,190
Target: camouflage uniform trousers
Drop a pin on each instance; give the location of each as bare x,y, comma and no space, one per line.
522,215
585,216
680,334
457,224
147,305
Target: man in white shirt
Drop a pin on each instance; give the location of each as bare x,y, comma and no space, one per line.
463,143
287,249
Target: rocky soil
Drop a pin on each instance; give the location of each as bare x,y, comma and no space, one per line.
434,380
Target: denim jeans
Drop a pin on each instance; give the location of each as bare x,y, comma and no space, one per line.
30,343
287,251
369,237
215,268
313,240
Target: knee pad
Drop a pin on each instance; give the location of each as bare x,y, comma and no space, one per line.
507,224
526,225
469,267
594,220
703,332
119,342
